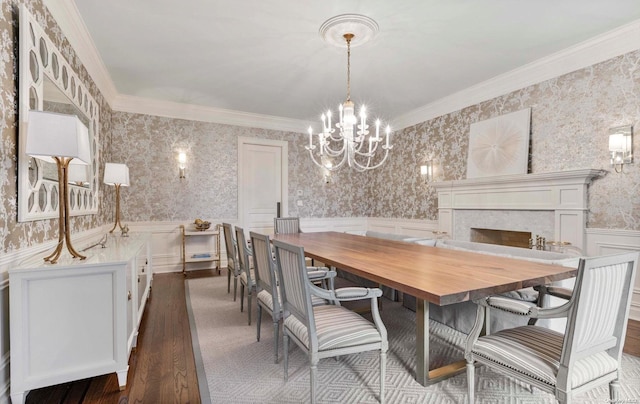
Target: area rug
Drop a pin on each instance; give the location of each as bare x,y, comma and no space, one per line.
235,368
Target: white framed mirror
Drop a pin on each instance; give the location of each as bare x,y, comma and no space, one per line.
47,82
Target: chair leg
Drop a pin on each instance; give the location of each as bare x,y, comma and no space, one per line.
241,297
383,370
471,380
276,329
228,280
614,389
249,302
285,352
258,322
235,287
314,373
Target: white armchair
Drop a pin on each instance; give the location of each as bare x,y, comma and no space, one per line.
587,355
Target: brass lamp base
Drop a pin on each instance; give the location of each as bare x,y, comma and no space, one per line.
63,207
117,223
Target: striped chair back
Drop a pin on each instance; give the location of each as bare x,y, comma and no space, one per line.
286,225
243,253
597,320
230,245
292,273
264,265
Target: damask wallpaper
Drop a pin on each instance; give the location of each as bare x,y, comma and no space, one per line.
14,235
149,146
570,119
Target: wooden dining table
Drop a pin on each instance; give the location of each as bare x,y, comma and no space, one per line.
432,275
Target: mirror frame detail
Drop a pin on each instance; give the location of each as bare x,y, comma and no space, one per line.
38,56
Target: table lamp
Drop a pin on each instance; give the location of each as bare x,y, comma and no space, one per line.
64,140
117,175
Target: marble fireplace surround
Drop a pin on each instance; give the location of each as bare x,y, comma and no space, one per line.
553,205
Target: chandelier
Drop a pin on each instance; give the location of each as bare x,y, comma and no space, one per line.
350,141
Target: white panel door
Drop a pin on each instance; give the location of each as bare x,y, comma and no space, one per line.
262,175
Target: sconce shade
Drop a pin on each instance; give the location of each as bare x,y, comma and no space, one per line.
77,173
51,135
426,170
617,143
115,173
621,146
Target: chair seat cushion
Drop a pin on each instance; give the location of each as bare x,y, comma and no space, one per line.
336,327
535,351
266,298
243,277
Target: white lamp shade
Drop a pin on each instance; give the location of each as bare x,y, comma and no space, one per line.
78,173
115,173
50,134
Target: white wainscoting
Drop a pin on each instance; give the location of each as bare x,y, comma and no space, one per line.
611,241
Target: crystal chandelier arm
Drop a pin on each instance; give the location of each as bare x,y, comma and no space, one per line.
332,168
360,167
333,152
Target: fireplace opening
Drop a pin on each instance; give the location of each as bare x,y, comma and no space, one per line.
501,237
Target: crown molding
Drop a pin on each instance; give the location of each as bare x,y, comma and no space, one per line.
595,50
66,14
169,109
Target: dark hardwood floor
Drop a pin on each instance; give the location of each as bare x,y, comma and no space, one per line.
162,368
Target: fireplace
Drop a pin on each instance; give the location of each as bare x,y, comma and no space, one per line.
502,237
549,205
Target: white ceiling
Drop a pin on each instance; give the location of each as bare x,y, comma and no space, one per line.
267,58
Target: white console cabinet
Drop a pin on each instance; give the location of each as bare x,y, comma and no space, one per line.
77,319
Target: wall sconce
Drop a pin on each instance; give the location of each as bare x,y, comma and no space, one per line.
620,146
63,140
426,171
182,163
78,175
118,176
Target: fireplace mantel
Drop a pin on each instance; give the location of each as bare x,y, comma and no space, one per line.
563,192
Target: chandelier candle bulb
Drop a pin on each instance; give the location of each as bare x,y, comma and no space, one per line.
310,137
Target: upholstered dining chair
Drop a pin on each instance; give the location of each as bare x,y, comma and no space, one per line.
328,330
286,225
267,285
232,258
587,355
247,279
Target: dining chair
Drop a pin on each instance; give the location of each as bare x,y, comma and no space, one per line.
589,352
286,225
232,258
247,280
328,330
267,285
